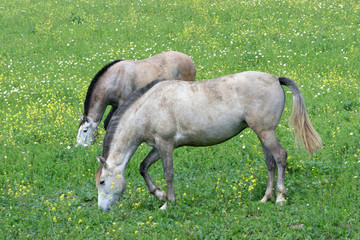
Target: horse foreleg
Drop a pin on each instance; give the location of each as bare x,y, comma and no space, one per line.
168,166
151,158
270,163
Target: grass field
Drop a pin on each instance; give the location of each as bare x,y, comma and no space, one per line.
50,51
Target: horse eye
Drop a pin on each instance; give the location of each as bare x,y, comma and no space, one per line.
102,182
85,130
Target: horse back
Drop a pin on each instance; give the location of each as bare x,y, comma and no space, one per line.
127,76
169,65
212,111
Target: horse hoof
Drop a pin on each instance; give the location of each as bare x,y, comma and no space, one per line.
161,195
164,206
266,198
280,202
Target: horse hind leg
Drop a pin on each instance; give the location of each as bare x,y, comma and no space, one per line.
270,163
150,159
274,152
166,154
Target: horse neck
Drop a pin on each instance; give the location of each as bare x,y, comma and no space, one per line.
124,143
96,109
105,92
96,102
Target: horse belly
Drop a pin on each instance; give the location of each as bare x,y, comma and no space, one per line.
205,131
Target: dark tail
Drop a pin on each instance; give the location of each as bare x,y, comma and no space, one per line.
304,130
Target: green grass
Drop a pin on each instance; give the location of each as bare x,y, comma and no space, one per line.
49,52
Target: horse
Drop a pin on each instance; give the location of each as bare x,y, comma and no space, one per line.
169,114
118,79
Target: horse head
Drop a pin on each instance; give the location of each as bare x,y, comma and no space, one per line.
87,132
110,183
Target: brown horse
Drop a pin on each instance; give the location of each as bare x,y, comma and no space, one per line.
171,114
118,79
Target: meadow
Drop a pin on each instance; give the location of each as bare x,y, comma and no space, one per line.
51,50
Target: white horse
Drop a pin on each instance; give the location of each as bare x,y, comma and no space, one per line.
171,114
118,79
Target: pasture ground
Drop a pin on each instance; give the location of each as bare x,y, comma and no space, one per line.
50,51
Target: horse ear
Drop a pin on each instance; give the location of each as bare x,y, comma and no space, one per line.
81,117
102,161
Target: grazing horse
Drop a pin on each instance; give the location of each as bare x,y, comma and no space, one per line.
170,114
118,79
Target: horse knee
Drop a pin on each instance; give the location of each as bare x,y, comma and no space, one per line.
281,158
169,175
270,164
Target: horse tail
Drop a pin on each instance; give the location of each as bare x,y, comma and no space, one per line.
304,130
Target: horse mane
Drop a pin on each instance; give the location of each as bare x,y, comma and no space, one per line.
93,84
115,119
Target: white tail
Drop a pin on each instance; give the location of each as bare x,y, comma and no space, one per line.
304,130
